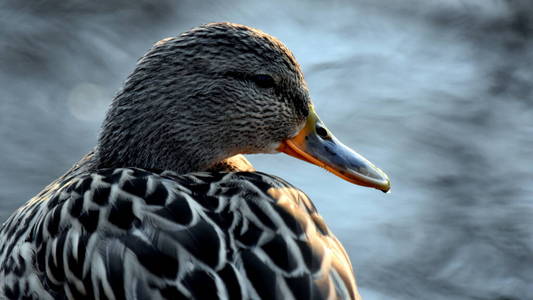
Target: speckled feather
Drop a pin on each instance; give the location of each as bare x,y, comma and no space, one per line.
133,234
200,79
135,220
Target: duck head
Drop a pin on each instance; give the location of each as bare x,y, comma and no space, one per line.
215,91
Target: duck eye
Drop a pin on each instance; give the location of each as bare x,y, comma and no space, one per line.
263,80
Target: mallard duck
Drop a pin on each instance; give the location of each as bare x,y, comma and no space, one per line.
166,206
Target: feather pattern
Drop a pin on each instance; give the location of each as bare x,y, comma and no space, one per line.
128,233
115,227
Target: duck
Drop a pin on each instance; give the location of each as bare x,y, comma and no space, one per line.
167,207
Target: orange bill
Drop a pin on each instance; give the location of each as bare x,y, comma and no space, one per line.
317,145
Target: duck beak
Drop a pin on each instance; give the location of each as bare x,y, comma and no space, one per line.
317,145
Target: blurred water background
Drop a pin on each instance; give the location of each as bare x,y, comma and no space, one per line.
437,93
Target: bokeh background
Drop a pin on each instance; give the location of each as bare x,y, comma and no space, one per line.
437,93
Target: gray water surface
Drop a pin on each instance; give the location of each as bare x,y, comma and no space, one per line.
439,94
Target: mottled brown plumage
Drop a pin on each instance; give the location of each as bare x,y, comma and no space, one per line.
192,101
130,220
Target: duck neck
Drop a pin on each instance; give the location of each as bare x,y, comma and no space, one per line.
157,151
156,138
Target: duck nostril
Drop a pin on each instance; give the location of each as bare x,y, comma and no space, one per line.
322,132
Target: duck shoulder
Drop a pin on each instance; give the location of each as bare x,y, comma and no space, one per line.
132,234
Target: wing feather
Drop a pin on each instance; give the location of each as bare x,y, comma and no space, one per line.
132,234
